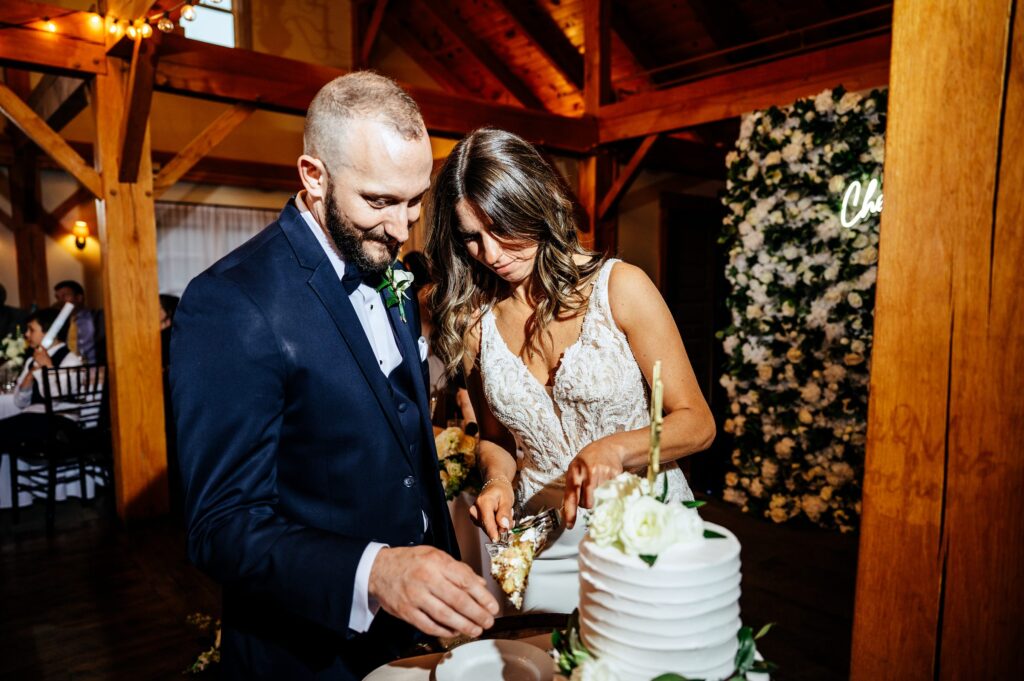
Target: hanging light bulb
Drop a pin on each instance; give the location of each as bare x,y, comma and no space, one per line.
189,13
49,25
115,27
146,30
165,24
132,32
95,20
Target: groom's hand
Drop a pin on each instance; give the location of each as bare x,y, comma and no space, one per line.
432,591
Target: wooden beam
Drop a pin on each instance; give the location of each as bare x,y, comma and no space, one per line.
58,99
938,582
626,177
447,15
36,129
195,69
537,25
138,99
127,234
29,238
427,60
209,138
632,38
76,47
597,54
595,176
368,40
858,65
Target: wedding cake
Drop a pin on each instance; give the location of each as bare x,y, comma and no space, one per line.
659,588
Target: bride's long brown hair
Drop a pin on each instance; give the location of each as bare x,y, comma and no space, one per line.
504,178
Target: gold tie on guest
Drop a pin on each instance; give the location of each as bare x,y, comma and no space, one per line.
73,334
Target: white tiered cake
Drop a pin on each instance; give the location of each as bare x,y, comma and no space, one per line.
680,615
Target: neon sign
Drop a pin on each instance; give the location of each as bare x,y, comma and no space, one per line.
870,204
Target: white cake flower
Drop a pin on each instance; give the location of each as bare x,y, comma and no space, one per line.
622,486
594,670
687,524
606,521
647,527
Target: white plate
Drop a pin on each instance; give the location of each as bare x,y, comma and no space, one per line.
495,661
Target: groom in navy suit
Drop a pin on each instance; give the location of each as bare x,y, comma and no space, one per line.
306,449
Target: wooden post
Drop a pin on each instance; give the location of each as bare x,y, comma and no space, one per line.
938,584
127,232
29,236
596,169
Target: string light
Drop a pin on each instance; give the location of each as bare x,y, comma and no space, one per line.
49,25
146,31
95,20
114,27
188,14
131,32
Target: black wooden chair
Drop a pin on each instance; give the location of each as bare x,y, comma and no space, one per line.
78,436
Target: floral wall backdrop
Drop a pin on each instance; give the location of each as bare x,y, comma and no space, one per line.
802,300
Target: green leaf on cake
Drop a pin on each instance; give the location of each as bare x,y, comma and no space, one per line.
649,560
711,534
664,489
764,630
673,677
694,504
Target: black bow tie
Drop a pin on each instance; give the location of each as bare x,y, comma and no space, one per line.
354,276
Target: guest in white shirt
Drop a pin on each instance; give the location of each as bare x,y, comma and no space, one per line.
32,425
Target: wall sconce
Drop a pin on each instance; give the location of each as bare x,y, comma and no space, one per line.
81,233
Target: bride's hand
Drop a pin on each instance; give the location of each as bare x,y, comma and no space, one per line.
596,463
493,508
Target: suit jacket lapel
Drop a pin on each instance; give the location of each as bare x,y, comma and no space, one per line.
410,352
331,293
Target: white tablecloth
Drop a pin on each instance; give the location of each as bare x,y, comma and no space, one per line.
34,473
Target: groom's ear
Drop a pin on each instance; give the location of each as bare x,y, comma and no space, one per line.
313,176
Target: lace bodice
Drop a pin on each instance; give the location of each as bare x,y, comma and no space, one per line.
598,390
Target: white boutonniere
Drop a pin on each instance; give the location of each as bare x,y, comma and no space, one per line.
395,286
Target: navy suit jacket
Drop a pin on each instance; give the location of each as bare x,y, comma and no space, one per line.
293,457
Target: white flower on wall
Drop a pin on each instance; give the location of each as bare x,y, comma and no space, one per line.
802,303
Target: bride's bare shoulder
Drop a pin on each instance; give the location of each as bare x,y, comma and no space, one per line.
631,293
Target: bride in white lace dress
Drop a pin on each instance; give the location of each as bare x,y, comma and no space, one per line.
557,344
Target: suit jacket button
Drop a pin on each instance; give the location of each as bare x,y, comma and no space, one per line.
409,481
402,407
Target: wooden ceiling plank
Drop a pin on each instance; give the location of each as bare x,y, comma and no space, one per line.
445,14
209,138
538,26
626,177
857,65
630,36
36,129
139,99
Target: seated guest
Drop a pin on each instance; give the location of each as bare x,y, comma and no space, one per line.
10,317
32,424
86,334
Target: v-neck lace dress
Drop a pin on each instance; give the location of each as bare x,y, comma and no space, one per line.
597,390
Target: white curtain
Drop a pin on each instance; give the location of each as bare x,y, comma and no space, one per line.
192,237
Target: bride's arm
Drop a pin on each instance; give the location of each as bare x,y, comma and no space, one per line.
493,508
641,313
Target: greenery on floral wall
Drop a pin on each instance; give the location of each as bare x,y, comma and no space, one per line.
802,291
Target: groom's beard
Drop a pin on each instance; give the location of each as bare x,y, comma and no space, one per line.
351,241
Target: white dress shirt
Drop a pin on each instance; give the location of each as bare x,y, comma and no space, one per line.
23,396
373,317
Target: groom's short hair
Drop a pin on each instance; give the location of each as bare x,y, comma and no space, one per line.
358,95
